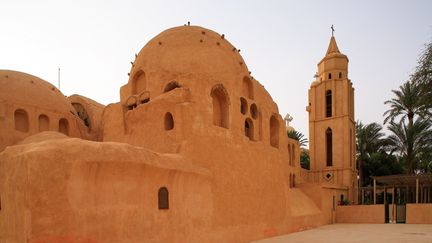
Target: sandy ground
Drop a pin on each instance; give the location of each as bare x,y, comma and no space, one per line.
370,233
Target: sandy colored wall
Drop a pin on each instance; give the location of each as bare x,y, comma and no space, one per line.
419,213
371,214
75,194
78,196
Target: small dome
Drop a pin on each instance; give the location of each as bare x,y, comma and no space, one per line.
27,90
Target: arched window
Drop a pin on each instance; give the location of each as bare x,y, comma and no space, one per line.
274,131
64,126
340,75
139,82
243,105
43,123
248,88
171,85
220,102
329,147
329,75
169,121
254,111
249,128
21,120
163,198
328,103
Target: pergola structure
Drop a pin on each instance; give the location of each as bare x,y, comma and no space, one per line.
407,188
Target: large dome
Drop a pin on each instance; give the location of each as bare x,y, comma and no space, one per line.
188,50
25,89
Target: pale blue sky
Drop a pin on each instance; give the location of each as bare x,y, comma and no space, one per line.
281,41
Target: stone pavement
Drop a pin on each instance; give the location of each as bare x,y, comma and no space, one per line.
371,233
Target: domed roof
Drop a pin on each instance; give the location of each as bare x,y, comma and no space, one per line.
25,89
189,49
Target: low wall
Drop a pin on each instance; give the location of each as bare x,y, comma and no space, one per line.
419,213
371,214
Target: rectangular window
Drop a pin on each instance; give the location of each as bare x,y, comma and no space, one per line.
329,147
328,103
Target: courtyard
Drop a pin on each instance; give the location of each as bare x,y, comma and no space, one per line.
336,233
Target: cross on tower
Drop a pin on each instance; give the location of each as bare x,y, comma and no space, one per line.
288,118
332,28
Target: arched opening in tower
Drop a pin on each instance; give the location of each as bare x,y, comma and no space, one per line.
220,103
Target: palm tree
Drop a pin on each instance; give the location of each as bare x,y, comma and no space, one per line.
413,141
370,139
406,104
298,136
423,75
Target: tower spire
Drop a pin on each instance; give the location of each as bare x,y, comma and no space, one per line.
333,48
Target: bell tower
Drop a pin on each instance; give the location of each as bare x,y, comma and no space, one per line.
332,124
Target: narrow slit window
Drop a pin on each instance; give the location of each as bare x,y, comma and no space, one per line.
248,129
169,121
163,198
328,103
329,147
243,106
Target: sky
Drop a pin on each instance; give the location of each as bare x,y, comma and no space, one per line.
93,42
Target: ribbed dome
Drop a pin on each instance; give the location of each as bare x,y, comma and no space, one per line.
189,49
25,89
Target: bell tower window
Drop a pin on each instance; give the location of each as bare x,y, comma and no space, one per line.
329,147
328,103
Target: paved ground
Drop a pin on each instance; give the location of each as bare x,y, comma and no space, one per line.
370,233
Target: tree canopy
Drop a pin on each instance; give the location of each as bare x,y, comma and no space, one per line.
408,148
